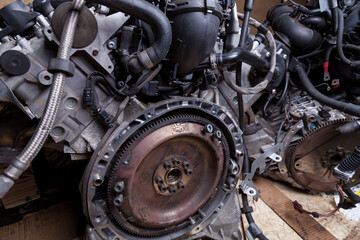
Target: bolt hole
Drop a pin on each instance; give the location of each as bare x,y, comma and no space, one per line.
49,31
102,164
173,176
98,181
47,77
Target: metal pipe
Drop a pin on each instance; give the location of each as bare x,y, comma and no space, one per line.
24,159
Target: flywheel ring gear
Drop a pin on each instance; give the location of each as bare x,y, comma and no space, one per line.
96,176
305,160
188,137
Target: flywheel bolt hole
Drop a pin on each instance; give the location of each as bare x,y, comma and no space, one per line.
173,176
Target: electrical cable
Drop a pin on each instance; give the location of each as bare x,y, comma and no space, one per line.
300,209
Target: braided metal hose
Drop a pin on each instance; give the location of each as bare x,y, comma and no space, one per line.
24,159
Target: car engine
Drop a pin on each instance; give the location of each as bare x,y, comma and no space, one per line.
173,106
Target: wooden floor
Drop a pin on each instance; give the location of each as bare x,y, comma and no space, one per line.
274,227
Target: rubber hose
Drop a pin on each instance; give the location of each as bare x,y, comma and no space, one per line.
160,25
339,45
239,54
349,108
244,197
334,20
351,162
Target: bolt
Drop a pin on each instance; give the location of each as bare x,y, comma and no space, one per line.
120,84
111,45
119,186
172,190
202,214
188,172
180,185
176,162
118,200
268,55
159,180
340,149
284,56
166,165
162,188
191,220
186,164
273,91
218,134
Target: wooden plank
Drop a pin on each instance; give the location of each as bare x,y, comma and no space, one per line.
271,225
337,224
306,226
24,190
355,233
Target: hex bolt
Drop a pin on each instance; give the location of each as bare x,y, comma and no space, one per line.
202,214
159,180
180,185
172,190
176,162
118,200
166,165
188,172
191,220
218,134
119,186
209,128
111,45
186,164
162,188
120,84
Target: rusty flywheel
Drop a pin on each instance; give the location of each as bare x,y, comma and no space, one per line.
312,159
165,173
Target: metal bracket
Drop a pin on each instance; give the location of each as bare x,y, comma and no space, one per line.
247,185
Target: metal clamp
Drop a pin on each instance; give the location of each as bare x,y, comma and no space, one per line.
247,185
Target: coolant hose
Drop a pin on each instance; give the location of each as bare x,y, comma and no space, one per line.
159,23
349,108
24,159
240,54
